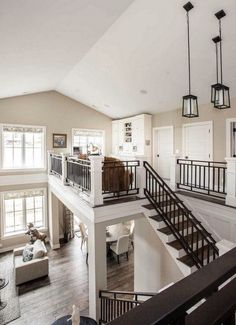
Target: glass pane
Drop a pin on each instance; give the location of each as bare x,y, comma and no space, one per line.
9,206
38,140
8,158
29,203
18,140
38,159
17,157
8,139
19,221
38,201
9,219
29,158
30,216
29,139
38,217
18,204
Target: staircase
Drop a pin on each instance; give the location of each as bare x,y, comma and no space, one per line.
183,235
116,303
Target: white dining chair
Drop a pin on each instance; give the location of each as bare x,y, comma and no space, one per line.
121,247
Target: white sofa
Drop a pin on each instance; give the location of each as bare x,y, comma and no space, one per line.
31,270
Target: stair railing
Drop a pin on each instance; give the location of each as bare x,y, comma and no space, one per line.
197,242
113,304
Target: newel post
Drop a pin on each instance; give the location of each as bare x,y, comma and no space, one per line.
141,176
174,172
64,167
49,161
231,182
96,197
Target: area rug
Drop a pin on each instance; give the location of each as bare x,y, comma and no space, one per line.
9,293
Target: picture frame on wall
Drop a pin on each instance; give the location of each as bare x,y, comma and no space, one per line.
59,140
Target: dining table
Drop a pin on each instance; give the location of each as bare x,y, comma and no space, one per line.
116,231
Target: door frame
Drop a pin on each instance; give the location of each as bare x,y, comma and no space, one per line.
154,142
210,124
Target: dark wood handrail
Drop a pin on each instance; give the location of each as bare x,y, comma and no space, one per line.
132,293
185,211
224,302
202,161
171,305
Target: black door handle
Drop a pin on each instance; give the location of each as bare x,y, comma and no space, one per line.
186,157
158,155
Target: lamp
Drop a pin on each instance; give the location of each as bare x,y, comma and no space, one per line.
220,94
190,102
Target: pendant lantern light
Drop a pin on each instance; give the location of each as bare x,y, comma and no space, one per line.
216,41
219,92
190,102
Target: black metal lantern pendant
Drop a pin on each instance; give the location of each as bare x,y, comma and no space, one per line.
190,102
220,95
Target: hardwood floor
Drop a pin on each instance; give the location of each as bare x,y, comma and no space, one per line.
45,300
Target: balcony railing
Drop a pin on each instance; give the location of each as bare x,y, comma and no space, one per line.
79,173
116,303
56,164
205,177
119,178
96,178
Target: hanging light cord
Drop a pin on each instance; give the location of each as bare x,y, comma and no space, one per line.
217,61
221,52
189,56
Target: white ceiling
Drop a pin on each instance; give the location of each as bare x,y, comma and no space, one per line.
103,52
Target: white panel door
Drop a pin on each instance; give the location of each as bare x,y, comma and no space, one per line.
163,150
197,145
197,141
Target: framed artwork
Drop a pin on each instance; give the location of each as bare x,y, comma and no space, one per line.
59,140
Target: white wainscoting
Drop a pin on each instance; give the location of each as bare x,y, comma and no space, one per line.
218,219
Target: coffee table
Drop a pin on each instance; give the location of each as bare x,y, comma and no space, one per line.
83,321
3,304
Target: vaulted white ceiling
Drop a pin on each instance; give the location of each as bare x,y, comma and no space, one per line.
120,57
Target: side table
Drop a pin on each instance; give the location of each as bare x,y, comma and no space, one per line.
83,321
3,304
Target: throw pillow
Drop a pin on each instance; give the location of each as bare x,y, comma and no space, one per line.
39,249
27,253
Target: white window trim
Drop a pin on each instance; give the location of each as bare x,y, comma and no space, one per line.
20,233
17,170
94,130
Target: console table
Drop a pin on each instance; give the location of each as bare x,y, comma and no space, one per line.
83,321
3,304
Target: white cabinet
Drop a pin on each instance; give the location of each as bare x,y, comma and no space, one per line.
132,136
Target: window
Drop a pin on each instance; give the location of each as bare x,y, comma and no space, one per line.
20,208
22,147
87,142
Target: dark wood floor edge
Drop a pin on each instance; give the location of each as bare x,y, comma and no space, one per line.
206,198
120,201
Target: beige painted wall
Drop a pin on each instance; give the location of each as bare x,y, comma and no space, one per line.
154,268
57,112
206,113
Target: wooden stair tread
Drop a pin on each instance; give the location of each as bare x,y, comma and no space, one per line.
151,206
177,245
188,260
157,218
168,231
